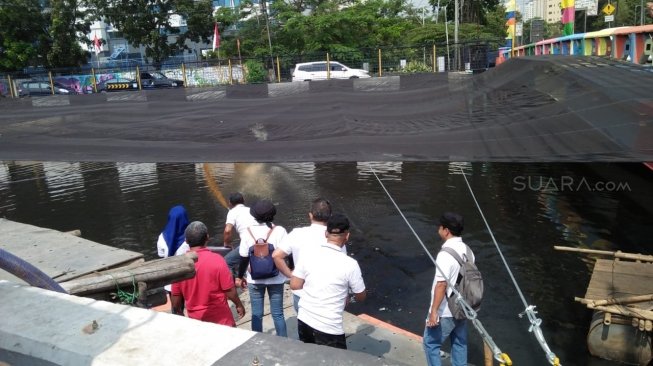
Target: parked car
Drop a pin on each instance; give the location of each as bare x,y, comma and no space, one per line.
318,71
34,87
5,92
158,80
117,84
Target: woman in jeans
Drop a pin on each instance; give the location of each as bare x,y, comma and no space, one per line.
259,276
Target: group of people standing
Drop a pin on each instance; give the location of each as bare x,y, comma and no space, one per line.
322,276
314,258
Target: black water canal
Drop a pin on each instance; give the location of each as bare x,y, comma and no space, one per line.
529,207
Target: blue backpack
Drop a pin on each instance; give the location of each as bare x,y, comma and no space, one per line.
261,264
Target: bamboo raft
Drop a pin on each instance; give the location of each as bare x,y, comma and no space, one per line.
86,268
620,293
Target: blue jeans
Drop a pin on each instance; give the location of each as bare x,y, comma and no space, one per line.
233,259
435,336
295,303
257,298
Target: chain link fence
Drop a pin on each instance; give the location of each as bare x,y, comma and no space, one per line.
469,56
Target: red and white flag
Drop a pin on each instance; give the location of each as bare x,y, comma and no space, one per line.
216,37
97,45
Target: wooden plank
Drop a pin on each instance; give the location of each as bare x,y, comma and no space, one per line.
620,282
57,254
621,279
155,273
642,269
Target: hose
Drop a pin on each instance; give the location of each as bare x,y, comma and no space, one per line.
27,272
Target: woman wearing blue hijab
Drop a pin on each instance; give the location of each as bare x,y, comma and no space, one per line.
172,240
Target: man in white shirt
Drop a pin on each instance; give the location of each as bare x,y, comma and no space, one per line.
302,239
327,275
440,323
239,218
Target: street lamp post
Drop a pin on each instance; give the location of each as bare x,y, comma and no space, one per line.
264,10
446,32
455,32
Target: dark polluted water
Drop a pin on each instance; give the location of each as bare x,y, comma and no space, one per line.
529,208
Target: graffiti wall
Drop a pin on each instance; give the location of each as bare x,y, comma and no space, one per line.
195,77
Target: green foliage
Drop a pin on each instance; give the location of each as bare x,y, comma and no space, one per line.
67,21
255,72
416,66
20,27
148,23
350,30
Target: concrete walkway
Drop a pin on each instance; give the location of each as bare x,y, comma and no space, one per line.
364,333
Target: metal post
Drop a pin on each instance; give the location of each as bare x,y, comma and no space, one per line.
183,73
328,67
51,82
94,81
278,70
264,8
446,32
138,77
456,15
435,60
11,87
231,79
641,13
380,68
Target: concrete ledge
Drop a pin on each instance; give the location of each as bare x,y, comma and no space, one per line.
88,99
247,91
422,80
282,89
48,328
201,94
126,96
377,84
50,101
59,328
336,85
167,94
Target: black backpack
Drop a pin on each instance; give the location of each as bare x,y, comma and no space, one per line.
469,284
261,264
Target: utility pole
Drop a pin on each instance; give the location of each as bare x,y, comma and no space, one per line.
455,32
641,13
264,9
446,32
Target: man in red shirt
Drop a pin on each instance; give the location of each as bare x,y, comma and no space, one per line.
206,294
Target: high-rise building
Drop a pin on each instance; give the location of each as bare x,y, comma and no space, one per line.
553,11
529,10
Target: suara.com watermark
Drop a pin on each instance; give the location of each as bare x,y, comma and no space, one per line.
566,183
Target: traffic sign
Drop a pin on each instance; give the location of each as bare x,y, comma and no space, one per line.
608,18
608,9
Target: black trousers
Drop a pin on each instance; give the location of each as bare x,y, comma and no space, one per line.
310,335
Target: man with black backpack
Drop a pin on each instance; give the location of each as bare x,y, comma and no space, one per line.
441,322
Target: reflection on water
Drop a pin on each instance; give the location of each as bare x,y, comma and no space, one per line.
125,205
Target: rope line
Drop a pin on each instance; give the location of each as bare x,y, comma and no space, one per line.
469,312
126,297
529,309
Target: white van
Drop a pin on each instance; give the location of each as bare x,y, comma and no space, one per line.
318,71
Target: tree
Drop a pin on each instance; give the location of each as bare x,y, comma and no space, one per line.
471,11
148,23
67,22
22,30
